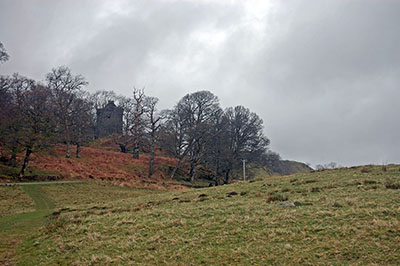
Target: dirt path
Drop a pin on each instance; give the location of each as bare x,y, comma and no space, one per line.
15,229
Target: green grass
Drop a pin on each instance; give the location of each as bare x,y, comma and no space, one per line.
26,209
19,226
14,200
195,184
28,220
342,216
91,193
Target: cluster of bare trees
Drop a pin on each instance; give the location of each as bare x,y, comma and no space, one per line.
196,131
3,54
331,165
141,123
35,115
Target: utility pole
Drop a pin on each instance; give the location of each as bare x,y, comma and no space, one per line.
244,169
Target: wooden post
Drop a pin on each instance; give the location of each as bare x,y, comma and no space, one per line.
244,169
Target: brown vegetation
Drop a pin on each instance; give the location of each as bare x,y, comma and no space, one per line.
101,164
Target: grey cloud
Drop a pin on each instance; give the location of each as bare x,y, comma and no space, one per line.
324,75
336,69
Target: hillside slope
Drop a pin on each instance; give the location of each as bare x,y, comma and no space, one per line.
286,167
96,163
102,160
343,216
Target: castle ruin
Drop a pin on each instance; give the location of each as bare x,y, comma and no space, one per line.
109,120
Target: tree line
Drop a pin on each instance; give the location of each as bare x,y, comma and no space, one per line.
197,131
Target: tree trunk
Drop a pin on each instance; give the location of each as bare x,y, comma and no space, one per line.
13,159
26,161
123,148
78,150
226,181
151,163
192,171
136,151
137,135
176,168
180,161
217,174
67,138
68,155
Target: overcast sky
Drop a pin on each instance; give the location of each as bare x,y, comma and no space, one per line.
323,75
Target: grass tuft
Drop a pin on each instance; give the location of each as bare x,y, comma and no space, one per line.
365,169
391,184
273,196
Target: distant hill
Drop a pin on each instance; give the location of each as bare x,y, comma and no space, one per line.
279,167
287,167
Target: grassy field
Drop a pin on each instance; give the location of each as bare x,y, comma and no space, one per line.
91,193
13,200
343,216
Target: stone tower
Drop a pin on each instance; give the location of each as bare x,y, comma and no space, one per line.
109,120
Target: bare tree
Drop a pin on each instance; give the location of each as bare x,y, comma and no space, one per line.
3,54
65,86
203,113
82,126
192,118
38,123
137,128
246,137
272,161
216,152
331,165
125,139
101,98
12,120
153,124
173,136
25,118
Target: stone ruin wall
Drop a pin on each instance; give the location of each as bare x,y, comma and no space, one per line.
109,120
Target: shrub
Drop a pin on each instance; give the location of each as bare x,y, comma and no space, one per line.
365,169
337,205
55,223
390,184
273,196
315,189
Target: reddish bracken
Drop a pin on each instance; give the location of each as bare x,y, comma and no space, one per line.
99,163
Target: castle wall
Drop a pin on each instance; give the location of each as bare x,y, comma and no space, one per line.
109,120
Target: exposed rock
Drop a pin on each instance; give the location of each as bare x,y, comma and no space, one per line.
286,204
